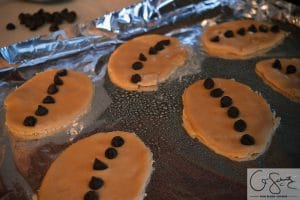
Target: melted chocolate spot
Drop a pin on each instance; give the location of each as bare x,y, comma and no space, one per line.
117,141
99,165
275,29
215,39
277,64
57,80
136,78
241,31
233,112
226,101
152,51
41,111
111,153
252,29
29,121
216,92
137,65
62,72
208,83
166,42
91,195
159,46
247,139
10,26
142,57
229,34
52,89
240,125
263,28
290,69
48,100
96,183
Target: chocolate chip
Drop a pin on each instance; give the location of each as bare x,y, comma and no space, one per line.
215,39
54,27
263,28
216,92
71,17
57,80
117,141
240,125
10,26
62,72
99,165
241,31
96,183
226,101
111,153
208,83
277,64
136,78
247,139
41,111
29,121
166,42
142,57
159,46
52,89
229,34
290,69
252,29
275,29
48,100
91,195
137,65
233,112
152,51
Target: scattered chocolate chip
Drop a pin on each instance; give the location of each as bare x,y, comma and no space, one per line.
111,153
166,42
263,28
229,34
52,89
252,29
136,78
226,101
277,64
29,121
71,17
215,39
241,31
96,183
54,27
91,195
233,112
57,18
48,100
240,125
247,139
290,69
10,26
142,57
137,65
99,165
117,141
152,51
208,83
216,92
275,29
62,72
41,111
159,46
57,80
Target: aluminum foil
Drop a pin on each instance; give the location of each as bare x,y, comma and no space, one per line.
156,116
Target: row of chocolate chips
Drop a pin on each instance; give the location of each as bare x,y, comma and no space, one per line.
233,112
96,182
290,69
242,31
52,89
159,46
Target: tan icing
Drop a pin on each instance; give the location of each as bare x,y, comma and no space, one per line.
204,119
286,84
72,100
156,69
125,178
240,47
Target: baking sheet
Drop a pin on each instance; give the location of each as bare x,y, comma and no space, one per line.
184,168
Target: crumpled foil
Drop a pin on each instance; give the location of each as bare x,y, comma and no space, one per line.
87,47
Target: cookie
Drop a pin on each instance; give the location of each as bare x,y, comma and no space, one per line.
229,118
283,75
47,103
241,39
114,165
143,62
